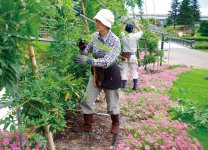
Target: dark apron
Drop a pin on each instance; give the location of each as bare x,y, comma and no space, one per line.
126,55
108,78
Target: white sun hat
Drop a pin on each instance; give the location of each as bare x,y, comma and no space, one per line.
106,17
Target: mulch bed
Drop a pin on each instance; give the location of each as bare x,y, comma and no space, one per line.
99,139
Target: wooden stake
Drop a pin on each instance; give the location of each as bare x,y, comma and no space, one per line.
86,22
33,61
50,138
35,70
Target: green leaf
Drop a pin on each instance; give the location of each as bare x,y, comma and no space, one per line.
12,127
6,125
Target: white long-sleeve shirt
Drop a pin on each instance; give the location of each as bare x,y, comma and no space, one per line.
129,41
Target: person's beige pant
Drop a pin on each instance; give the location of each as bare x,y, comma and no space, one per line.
112,99
133,64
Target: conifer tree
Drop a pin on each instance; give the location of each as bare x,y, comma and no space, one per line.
185,16
174,11
196,11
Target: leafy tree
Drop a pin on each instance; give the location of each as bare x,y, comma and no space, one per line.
174,12
149,44
16,26
169,20
195,9
117,7
60,85
133,3
185,16
204,28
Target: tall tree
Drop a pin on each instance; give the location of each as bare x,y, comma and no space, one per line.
196,11
169,20
133,4
174,11
185,16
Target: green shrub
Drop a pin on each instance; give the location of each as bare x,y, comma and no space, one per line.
201,45
197,38
204,28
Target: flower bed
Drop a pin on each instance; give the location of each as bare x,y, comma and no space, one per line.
11,141
150,126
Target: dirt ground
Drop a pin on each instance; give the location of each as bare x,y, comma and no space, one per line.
99,139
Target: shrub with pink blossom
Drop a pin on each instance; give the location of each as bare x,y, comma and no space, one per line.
162,80
146,105
11,141
149,125
159,133
152,127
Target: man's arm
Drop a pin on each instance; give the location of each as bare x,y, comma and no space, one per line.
124,24
136,26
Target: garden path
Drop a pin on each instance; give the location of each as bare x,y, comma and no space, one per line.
178,54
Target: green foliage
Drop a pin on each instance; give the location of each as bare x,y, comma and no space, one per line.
204,28
170,30
173,13
185,16
196,10
61,83
201,45
185,13
205,39
191,90
189,110
175,66
149,43
16,25
117,7
44,99
133,3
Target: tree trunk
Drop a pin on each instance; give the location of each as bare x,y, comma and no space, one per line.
50,138
86,22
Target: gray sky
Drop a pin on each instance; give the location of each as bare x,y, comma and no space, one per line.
163,6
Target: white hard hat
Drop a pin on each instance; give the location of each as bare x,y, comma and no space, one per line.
106,17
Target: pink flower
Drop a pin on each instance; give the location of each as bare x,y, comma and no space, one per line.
6,141
16,148
147,147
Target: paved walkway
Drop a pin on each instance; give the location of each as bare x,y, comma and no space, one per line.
177,54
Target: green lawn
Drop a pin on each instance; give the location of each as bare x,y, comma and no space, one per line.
42,45
193,85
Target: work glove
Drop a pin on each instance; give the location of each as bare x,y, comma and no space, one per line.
82,59
81,44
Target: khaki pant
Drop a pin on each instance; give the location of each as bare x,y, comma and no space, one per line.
112,99
133,64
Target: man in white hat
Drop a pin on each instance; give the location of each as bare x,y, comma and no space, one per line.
105,48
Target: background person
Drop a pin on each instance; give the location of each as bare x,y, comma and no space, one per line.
129,58
106,75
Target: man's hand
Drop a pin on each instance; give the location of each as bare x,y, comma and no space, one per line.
82,59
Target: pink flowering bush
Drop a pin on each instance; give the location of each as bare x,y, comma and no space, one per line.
161,81
149,126
142,106
152,127
11,141
159,133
